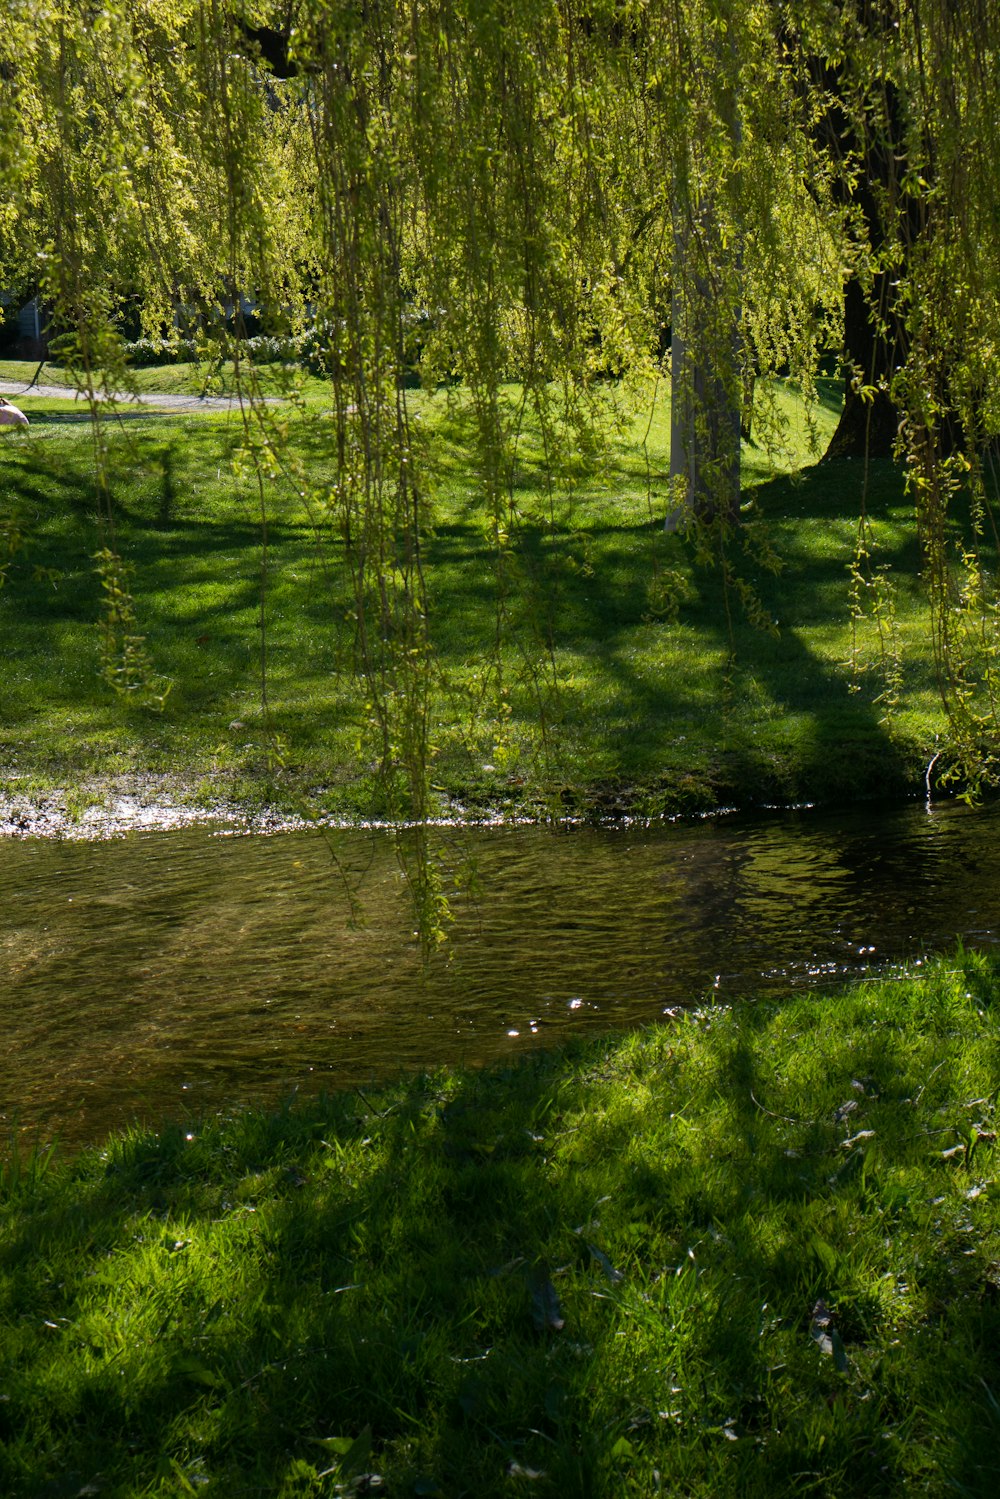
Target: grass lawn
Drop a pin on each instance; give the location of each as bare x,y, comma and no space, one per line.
755,1252
752,1252
629,673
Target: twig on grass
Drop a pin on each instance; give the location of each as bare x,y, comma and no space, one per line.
785,1117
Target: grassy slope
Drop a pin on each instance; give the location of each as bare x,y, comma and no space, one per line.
602,1272
653,709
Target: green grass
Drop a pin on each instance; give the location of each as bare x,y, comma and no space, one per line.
753,1252
631,674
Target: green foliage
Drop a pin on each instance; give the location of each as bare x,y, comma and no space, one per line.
746,1251
125,662
519,202
664,702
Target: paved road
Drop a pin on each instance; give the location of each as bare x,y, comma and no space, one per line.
161,401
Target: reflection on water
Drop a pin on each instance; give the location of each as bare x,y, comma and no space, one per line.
187,969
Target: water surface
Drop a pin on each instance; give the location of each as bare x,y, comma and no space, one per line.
169,973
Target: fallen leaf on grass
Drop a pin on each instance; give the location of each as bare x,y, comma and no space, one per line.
362,1483
546,1313
521,1470
826,1337
821,1314
614,1276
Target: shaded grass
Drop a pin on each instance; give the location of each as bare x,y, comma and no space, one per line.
754,1252
628,673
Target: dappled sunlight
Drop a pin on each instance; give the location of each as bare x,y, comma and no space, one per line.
638,637
747,1233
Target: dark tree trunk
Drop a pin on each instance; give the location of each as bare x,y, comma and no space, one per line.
869,129
870,420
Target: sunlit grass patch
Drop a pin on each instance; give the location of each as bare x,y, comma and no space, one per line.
600,661
749,1251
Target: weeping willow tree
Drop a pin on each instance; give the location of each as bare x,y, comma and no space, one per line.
897,94
527,200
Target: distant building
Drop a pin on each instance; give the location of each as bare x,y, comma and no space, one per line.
32,332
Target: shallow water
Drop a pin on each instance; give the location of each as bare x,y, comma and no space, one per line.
165,974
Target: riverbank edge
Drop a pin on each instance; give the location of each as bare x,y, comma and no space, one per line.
57,804
634,1264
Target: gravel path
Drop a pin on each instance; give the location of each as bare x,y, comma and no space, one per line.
159,400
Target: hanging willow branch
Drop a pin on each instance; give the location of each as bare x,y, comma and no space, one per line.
486,194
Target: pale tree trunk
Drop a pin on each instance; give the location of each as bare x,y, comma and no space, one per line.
706,379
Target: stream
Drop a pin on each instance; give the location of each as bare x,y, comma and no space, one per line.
166,974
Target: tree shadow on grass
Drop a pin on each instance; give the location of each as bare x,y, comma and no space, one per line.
587,597
838,724
710,698
571,1274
